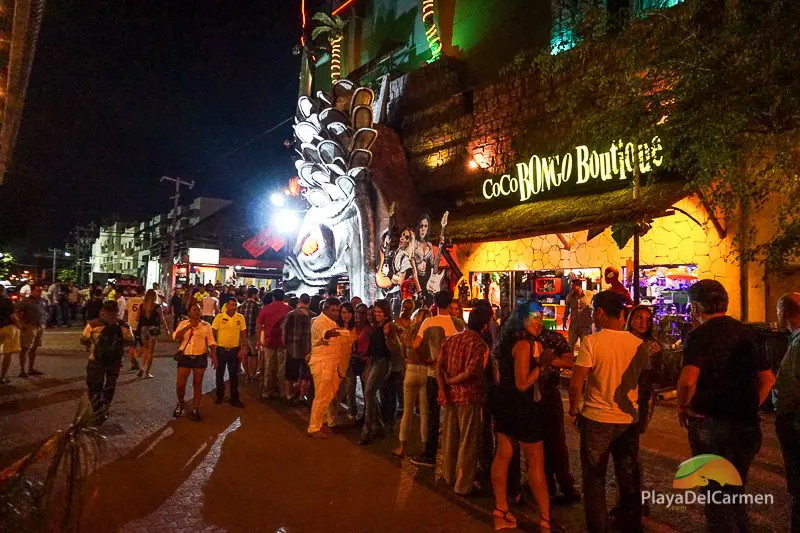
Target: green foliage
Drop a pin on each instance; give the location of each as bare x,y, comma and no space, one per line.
719,85
28,505
333,27
6,263
66,274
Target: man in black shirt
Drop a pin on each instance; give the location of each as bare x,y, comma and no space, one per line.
725,378
93,306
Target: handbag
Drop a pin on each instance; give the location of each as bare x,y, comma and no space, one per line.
179,354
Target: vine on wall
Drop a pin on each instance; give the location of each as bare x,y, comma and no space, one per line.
719,82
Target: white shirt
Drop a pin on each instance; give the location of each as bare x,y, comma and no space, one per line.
196,341
25,291
210,304
323,349
616,359
433,331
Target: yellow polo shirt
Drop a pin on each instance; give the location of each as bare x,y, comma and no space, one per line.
228,329
199,295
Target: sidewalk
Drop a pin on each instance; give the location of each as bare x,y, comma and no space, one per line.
253,469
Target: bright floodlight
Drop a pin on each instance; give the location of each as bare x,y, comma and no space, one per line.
277,200
286,221
67,254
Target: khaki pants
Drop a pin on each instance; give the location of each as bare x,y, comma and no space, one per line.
274,372
460,441
326,383
413,388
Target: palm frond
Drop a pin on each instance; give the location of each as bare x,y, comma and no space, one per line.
325,19
319,30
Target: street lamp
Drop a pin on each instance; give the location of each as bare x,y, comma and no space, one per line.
286,221
278,200
67,254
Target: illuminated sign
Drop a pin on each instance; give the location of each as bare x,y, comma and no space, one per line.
543,174
204,255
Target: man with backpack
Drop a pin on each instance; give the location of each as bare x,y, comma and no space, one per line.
106,338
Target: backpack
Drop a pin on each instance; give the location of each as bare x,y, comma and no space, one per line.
110,346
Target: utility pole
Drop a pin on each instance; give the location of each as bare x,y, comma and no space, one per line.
170,281
54,251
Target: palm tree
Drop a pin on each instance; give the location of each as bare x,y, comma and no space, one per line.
334,28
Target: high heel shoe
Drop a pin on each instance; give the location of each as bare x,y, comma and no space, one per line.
503,519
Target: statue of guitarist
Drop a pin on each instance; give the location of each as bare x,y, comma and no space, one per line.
423,258
388,246
434,283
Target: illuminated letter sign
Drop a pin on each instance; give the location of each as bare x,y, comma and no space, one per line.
543,174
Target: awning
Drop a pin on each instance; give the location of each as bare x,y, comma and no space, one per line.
561,215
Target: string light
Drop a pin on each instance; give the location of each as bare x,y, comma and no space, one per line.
341,7
336,58
431,33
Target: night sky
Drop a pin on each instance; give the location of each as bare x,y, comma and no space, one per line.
124,92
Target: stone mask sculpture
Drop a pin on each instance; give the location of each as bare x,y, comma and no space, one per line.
333,136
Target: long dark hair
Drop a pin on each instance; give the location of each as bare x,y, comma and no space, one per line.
648,335
384,306
348,306
427,236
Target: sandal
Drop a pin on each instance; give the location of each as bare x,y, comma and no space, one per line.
503,519
398,455
549,525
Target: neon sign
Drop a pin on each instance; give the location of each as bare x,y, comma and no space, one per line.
543,174
431,33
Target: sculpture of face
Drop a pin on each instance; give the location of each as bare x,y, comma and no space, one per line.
334,134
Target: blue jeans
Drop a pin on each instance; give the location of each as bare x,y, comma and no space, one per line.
600,440
373,423
738,443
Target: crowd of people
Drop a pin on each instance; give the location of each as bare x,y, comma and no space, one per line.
485,392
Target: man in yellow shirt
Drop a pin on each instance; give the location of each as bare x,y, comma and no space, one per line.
230,332
202,292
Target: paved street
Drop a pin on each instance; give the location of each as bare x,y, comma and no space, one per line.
254,469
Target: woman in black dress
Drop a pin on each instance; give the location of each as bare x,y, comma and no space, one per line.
514,397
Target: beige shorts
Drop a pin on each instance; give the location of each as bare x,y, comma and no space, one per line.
31,337
9,339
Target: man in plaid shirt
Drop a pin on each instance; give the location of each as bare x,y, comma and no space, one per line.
250,309
459,372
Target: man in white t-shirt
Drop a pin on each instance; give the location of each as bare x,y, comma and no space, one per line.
133,305
431,335
210,306
609,363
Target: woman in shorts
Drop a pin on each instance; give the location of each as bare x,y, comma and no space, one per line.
195,340
151,320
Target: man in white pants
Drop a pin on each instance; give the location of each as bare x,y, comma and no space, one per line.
324,362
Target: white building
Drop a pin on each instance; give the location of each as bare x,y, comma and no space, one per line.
136,249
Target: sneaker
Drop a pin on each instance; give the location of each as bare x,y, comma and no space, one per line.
23,374
140,373
195,416
237,403
178,410
423,460
34,372
149,376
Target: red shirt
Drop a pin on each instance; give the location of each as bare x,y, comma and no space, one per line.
271,319
465,351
